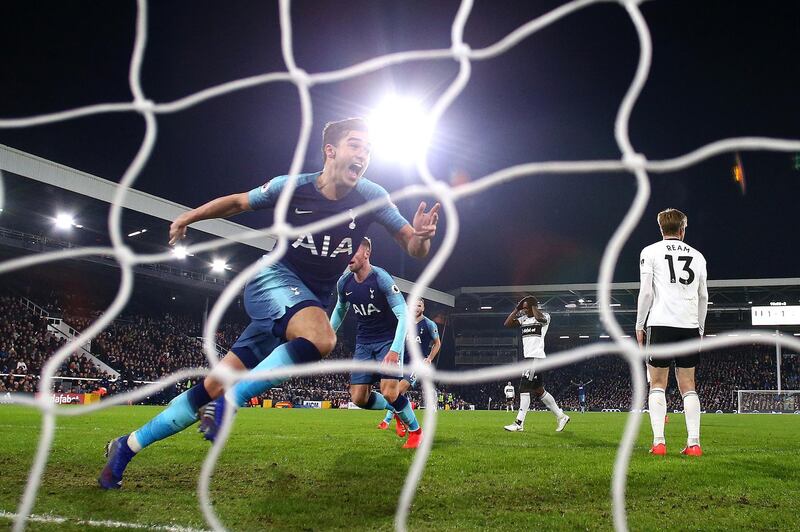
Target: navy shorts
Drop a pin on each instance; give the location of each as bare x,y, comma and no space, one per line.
271,298
372,352
410,378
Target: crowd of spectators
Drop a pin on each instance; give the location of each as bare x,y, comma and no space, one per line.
26,345
148,348
719,374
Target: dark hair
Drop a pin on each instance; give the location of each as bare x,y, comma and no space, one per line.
333,132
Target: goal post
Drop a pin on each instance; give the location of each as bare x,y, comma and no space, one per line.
768,401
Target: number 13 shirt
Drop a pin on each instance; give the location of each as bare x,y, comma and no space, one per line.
678,273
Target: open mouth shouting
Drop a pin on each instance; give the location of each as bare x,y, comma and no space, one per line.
355,169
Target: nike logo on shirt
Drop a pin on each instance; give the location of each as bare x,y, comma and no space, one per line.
298,211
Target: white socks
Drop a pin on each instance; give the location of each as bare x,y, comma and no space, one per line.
550,403
691,411
657,405
133,443
524,406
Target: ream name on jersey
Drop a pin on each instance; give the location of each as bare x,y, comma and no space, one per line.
678,271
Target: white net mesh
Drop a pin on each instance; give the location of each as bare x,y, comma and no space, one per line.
630,162
768,401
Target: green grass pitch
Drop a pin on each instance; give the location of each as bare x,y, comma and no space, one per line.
323,470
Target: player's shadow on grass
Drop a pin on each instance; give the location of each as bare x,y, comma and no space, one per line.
583,440
354,466
767,467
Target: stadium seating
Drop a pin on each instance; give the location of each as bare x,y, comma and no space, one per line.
147,348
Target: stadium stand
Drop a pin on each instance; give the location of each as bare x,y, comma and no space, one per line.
145,348
26,344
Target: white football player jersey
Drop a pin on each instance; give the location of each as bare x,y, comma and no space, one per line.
533,332
677,270
509,391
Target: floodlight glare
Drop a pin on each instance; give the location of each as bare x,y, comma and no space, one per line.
64,221
179,252
219,265
400,130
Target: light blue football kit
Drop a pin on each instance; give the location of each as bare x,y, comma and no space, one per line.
380,327
305,276
427,332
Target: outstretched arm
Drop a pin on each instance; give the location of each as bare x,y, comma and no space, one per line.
218,208
416,238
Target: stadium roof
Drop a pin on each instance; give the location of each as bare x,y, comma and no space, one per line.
730,301
141,211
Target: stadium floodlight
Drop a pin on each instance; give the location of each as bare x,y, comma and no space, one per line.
563,337
136,233
486,308
179,252
64,221
219,265
400,130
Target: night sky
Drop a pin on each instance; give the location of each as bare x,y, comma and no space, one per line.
720,69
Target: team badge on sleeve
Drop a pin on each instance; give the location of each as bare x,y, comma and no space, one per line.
395,290
265,187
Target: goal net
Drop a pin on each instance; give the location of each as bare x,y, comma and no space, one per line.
768,401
